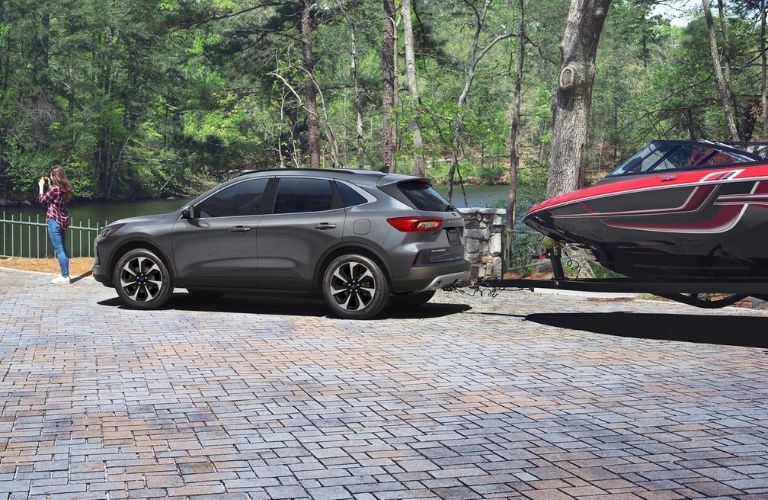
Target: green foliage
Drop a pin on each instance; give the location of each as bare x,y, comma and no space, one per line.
159,97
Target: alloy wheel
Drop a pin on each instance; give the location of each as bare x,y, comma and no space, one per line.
353,286
141,279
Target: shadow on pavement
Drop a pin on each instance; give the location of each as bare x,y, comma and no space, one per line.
745,331
303,305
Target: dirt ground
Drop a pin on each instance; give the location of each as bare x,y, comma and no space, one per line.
77,266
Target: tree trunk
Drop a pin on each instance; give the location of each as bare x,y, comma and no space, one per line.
296,153
723,20
388,91
308,65
517,99
689,122
763,70
45,46
104,145
573,98
751,112
355,89
413,90
723,85
726,42
330,135
355,86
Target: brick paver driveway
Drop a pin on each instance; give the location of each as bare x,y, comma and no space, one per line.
520,396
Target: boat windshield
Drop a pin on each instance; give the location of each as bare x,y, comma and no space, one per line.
660,156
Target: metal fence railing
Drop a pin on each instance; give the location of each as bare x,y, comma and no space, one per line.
29,238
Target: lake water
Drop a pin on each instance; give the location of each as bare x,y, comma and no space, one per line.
99,212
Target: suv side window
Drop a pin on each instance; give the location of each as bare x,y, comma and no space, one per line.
243,198
297,195
349,197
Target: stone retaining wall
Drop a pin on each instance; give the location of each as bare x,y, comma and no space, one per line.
483,232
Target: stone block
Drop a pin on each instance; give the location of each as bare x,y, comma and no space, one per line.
491,211
475,234
473,245
497,268
471,223
495,244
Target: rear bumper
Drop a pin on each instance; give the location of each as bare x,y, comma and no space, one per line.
446,280
432,277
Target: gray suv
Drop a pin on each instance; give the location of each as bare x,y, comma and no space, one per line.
361,238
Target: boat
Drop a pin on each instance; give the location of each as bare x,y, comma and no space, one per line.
676,212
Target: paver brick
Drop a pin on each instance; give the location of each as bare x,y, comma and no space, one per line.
542,396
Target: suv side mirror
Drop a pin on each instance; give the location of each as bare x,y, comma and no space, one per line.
188,212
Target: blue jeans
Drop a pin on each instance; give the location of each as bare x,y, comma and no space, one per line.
59,245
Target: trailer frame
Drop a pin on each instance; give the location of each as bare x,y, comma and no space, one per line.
687,292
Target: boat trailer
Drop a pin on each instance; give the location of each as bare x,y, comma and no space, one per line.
704,294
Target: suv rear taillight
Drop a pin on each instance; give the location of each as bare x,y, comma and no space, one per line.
416,224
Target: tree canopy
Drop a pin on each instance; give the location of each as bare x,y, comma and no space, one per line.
148,98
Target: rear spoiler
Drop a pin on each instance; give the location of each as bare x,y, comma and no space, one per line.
392,179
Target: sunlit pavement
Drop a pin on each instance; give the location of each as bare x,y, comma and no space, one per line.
522,395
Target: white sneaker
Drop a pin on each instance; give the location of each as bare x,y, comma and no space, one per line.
60,280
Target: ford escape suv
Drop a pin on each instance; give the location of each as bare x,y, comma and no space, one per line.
358,237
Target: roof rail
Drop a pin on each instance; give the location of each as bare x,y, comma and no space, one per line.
358,171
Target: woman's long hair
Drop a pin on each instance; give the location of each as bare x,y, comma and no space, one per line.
59,178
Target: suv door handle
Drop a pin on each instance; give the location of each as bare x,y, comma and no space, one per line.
325,225
668,177
239,229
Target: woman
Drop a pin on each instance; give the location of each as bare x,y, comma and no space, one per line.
56,198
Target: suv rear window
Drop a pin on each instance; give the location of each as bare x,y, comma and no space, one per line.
424,196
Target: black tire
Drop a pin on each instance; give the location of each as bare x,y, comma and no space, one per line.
153,284
411,300
355,287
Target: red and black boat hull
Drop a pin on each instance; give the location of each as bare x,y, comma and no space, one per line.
703,224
